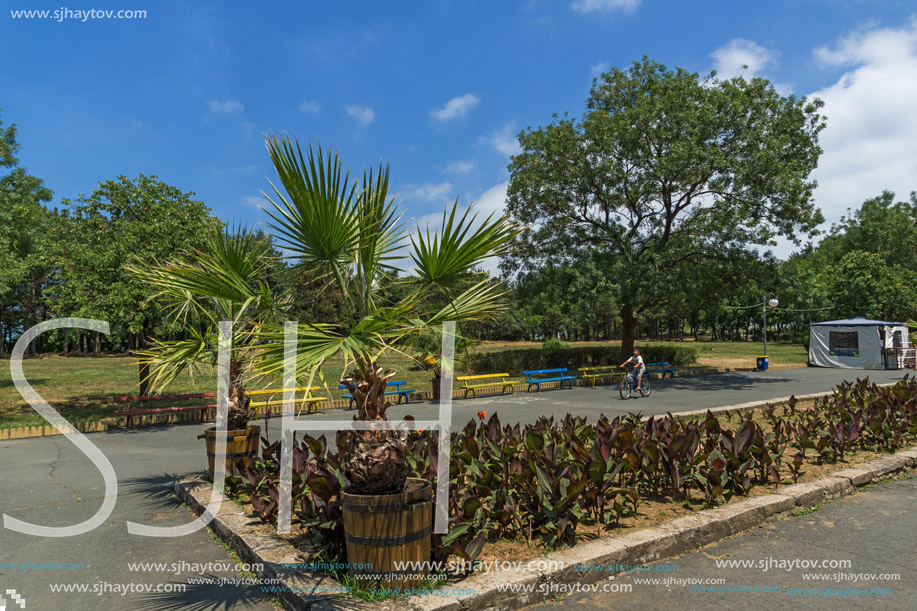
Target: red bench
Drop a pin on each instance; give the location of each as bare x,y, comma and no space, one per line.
130,413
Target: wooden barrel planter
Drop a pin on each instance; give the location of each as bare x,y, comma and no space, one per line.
381,529
242,443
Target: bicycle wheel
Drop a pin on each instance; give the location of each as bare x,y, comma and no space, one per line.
626,387
645,387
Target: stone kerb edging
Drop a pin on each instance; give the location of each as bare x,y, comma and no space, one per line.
641,546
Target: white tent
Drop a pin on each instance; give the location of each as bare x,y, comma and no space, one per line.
855,343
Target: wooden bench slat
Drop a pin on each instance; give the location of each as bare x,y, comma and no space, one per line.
130,413
483,376
499,380
200,395
663,368
537,382
403,393
594,373
281,390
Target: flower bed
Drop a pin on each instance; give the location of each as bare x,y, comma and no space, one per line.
545,485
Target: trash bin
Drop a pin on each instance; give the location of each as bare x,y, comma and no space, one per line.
762,363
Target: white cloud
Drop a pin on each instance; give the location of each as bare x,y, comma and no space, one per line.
364,115
588,6
461,167
428,192
504,140
254,201
456,107
732,59
229,107
870,142
493,199
310,106
599,68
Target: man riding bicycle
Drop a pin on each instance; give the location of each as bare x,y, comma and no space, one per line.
639,367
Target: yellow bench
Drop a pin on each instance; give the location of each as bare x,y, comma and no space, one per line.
308,399
473,388
594,373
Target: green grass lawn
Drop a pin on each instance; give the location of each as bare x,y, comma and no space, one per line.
81,389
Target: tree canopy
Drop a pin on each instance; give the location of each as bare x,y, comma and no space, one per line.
664,170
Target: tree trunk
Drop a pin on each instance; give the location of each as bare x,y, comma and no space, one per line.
144,382
96,344
628,331
84,350
65,343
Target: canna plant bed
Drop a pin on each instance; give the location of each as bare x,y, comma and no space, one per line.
518,491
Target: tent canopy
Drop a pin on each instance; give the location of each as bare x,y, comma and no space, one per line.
855,343
856,322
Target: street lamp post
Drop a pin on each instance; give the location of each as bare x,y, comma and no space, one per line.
772,303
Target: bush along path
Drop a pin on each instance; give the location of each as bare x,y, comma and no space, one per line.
557,482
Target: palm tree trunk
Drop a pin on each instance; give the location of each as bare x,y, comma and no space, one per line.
376,461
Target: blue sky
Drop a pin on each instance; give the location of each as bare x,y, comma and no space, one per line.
437,88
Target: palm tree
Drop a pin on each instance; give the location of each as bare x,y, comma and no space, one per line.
352,233
223,281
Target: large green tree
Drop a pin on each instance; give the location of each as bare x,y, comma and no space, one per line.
664,170
862,284
23,230
122,219
881,226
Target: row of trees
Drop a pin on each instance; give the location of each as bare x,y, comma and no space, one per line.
645,218
864,265
69,260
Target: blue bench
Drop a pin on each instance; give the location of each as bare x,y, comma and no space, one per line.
556,375
663,368
403,393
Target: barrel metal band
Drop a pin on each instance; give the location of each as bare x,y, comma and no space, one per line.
234,454
382,541
390,508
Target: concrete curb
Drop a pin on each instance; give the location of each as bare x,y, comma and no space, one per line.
583,563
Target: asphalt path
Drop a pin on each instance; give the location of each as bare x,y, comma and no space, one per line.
48,481
862,544
669,395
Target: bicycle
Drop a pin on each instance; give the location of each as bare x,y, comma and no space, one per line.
627,385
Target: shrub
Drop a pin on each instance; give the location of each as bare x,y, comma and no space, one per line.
514,361
554,344
542,479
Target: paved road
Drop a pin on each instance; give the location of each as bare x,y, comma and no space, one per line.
669,395
48,481
873,531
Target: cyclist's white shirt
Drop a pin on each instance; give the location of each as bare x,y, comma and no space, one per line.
638,362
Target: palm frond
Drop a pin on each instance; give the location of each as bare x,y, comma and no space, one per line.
318,221
479,302
447,259
169,359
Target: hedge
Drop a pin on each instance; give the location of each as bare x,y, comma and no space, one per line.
514,361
